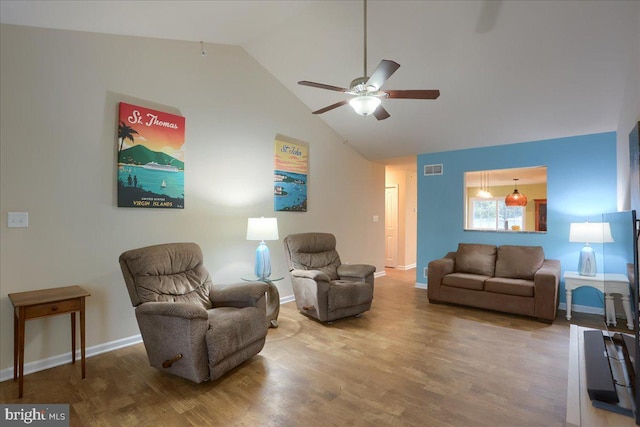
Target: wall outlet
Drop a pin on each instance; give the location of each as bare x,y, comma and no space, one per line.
17,219
426,272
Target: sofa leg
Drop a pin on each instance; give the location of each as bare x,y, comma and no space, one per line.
433,301
547,321
358,315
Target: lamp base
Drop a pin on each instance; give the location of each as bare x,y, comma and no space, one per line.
263,261
587,262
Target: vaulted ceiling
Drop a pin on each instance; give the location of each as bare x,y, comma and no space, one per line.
508,71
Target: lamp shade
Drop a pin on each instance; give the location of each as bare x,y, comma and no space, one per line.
262,229
590,232
365,105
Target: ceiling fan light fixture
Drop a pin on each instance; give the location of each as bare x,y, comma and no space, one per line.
365,105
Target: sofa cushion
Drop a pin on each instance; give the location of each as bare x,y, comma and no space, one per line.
519,262
476,258
465,281
517,287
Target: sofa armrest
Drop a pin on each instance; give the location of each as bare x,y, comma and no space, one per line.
316,275
546,282
436,270
243,294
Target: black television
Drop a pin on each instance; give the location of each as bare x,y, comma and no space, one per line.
621,257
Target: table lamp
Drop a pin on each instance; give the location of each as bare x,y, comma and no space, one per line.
262,229
589,232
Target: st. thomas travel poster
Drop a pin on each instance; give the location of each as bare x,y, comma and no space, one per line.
150,158
290,175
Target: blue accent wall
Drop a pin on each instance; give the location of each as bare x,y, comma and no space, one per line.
581,185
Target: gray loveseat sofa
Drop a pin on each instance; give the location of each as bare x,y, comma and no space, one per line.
512,279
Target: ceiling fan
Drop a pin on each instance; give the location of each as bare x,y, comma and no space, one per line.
366,90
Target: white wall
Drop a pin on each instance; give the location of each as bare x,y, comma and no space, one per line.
59,96
629,117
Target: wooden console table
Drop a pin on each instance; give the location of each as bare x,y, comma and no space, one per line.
43,303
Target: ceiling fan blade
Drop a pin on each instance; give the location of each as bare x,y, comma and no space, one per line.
322,86
385,69
413,94
381,113
330,107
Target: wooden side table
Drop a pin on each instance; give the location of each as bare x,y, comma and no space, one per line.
43,303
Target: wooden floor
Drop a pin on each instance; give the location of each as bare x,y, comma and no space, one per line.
404,363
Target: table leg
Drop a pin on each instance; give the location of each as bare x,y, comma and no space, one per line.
569,304
610,310
82,339
15,344
273,304
627,311
73,337
21,324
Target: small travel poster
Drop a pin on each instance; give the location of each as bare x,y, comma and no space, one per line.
290,175
150,158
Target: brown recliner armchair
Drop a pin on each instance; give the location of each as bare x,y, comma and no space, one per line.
190,327
324,288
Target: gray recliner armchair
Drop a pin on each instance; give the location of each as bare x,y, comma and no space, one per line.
324,288
190,327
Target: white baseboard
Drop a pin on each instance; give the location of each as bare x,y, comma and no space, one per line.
422,285
380,274
406,267
582,308
62,359
285,300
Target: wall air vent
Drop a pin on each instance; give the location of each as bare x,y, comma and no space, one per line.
432,170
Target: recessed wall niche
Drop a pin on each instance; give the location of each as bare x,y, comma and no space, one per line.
485,192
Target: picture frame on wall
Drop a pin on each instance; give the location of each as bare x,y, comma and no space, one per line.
291,171
150,158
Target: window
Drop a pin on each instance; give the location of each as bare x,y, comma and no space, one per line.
484,197
493,214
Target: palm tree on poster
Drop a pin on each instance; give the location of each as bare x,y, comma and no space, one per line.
125,132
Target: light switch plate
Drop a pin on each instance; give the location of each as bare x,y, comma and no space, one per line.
17,219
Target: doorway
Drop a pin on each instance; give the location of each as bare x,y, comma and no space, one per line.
401,198
391,226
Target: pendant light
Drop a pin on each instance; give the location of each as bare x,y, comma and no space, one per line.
484,186
515,198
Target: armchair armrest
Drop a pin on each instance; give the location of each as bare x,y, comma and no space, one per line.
316,275
355,270
546,281
243,294
174,337
172,309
